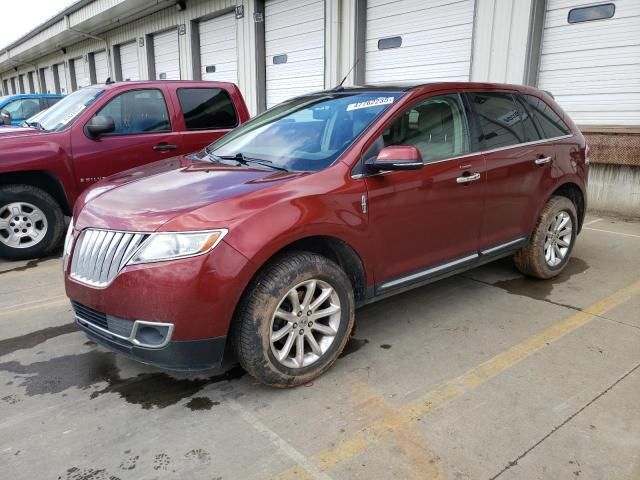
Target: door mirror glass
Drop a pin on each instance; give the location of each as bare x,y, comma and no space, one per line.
6,117
396,157
99,126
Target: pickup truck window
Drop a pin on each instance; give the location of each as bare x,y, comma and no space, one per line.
63,113
207,108
138,111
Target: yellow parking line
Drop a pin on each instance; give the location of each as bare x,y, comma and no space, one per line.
465,383
25,307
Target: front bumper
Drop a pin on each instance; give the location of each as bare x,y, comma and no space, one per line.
189,355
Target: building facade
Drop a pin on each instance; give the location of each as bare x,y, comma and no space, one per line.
587,54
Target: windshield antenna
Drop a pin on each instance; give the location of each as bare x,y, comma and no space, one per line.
339,86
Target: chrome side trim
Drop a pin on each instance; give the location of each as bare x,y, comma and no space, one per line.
484,152
502,246
427,272
131,338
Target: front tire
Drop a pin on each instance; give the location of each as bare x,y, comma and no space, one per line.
31,222
295,320
552,241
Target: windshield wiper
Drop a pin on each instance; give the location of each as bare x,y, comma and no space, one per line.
34,125
244,160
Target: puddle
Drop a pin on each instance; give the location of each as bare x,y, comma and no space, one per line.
541,289
353,345
84,370
386,346
200,403
32,339
31,264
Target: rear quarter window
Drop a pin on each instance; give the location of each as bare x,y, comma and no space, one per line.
207,108
500,119
548,121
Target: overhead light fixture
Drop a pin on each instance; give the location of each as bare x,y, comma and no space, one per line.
181,5
63,51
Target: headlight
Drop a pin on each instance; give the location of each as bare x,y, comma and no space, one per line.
68,241
169,246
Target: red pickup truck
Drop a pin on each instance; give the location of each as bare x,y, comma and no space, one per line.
93,133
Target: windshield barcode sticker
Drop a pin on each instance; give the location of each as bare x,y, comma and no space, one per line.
370,103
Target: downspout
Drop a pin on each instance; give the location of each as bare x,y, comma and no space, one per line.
94,37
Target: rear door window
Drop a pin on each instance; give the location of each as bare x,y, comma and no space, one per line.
207,108
499,118
138,111
548,121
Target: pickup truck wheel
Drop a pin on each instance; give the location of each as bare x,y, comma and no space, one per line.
552,241
295,320
31,222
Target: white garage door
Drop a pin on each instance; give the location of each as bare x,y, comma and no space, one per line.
49,83
129,61
80,72
294,48
62,78
418,40
101,65
218,52
166,51
593,67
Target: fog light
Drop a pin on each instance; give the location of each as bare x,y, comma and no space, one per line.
152,335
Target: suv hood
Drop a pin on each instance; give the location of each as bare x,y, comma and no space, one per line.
145,198
13,131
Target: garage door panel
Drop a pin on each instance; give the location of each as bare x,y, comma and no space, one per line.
277,7
624,9
101,66
50,86
571,39
593,58
218,48
129,62
295,29
413,56
593,68
436,40
302,42
62,78
441,39
166,51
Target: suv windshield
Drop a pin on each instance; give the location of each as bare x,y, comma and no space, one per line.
304,134
66,110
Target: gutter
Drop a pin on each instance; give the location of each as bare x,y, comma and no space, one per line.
94,37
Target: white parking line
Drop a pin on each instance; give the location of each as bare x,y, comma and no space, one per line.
279,442
615,233
592,222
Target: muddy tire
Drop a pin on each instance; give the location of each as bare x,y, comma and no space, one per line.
31,222
294,321
552,241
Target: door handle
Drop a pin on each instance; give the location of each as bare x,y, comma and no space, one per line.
469,178
162,147
542,161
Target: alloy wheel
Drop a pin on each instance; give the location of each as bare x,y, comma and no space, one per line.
22,225
305,323
558,239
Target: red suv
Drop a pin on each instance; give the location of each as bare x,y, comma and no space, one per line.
267,240
93,133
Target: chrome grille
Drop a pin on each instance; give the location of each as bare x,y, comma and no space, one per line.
100,254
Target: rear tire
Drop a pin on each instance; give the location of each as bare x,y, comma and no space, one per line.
300,299
31,222
552,241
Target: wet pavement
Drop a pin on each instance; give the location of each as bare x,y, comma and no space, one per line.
484,375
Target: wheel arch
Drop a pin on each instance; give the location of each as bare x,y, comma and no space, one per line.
41,179
573,192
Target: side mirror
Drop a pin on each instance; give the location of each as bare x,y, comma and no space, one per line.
6,117
396,157
98,126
